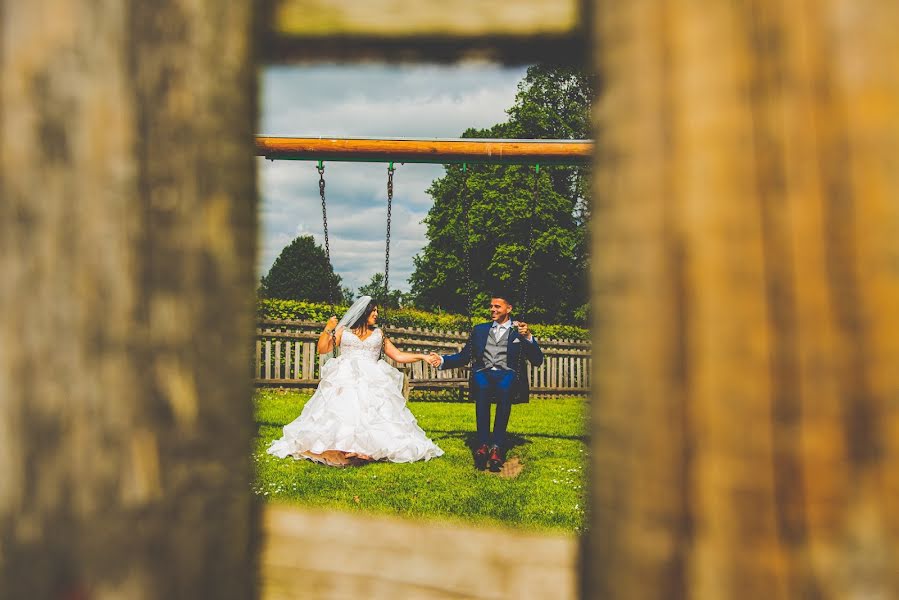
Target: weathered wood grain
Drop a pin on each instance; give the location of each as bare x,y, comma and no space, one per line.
393,18
745,277
316,554
124,432
436,151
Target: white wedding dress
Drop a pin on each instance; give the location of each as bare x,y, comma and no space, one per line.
358,409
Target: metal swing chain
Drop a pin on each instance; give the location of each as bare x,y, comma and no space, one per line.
321,191
466,245
466,257
526,270
390,171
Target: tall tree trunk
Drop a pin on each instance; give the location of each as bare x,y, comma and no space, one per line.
127,240
746,293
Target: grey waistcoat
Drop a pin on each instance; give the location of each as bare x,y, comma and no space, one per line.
495,354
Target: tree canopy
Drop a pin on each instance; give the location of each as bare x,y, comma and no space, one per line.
375,289
552,103
302,272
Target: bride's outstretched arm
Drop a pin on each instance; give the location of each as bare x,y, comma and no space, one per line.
401,357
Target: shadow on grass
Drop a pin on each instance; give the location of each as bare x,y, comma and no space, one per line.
515,439
278,424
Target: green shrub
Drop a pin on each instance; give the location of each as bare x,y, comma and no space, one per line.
402,317
268,308
560,332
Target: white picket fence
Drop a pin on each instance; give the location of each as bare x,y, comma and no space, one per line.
286,356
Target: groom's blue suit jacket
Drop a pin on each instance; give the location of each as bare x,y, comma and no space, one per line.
516,347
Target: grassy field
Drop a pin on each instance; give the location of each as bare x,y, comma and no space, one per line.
548,494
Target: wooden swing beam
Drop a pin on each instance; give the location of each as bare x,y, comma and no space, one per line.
435,151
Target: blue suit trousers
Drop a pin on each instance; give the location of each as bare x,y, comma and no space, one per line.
487,386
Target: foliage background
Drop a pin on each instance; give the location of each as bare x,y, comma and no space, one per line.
552,103
302,272
268,308
507,231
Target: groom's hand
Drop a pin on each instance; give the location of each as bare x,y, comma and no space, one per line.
434,359
523,329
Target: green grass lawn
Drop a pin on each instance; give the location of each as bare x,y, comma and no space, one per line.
548,437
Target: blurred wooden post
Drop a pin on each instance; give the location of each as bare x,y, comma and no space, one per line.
127,227
746,289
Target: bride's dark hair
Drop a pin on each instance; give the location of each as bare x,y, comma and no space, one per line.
363,320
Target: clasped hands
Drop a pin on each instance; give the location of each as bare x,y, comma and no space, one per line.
524,331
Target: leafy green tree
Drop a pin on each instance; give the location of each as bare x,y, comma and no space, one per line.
302,272
375,289
504,237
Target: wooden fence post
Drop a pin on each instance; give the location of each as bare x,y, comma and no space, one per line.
745,228
127,238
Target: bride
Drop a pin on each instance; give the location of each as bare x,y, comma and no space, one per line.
358,413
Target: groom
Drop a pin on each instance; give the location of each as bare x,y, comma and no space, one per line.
498,376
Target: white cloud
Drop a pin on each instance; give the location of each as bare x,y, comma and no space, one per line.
360,101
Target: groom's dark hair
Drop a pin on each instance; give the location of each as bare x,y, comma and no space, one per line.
501,296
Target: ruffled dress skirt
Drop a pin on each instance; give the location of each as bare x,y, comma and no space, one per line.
358,410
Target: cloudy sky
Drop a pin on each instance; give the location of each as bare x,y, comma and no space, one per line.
367,101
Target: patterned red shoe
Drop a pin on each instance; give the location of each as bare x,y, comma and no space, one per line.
496,460
480,457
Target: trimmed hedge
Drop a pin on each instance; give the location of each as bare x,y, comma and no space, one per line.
268,308
560,332
402,317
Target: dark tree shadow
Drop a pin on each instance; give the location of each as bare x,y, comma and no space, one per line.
515,438
263,423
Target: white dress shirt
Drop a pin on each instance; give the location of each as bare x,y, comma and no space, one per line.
502,328
498,331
